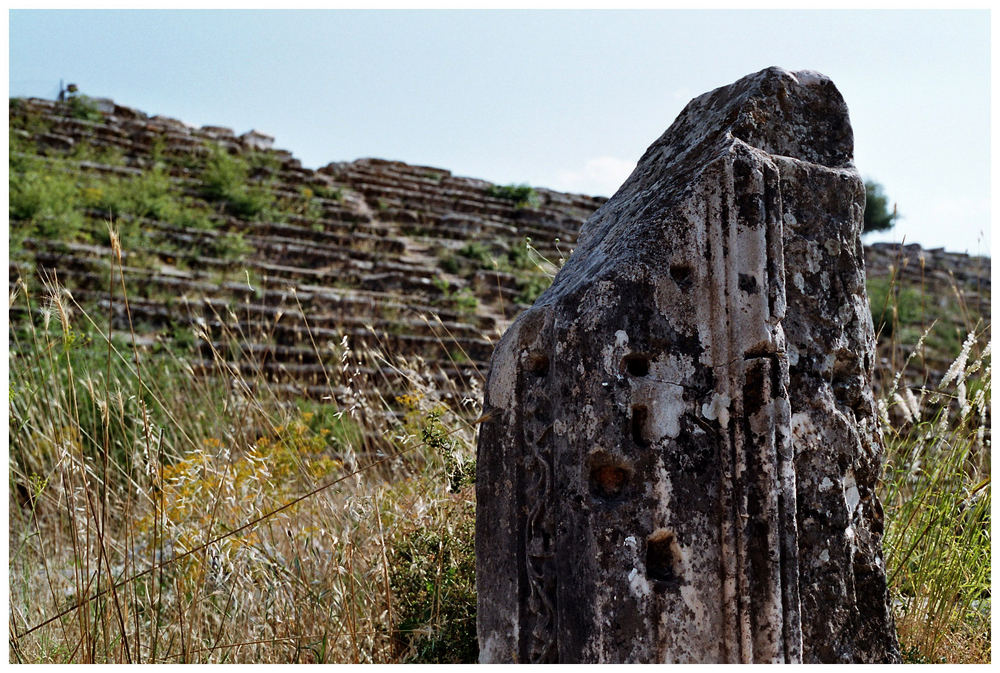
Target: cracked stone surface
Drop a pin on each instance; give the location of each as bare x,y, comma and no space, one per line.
681,460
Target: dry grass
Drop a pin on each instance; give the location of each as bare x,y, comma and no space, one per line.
157,515
936,487
937,500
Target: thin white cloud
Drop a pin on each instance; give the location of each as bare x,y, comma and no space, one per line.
600,176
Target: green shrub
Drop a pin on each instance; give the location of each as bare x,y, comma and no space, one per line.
85,150
531,286
478,253
147,195
332,193
463,300
523,196
82,107
225,179
892,305
44,203
263,162
248,203
519,255
228,245
451,264
432,575
223,175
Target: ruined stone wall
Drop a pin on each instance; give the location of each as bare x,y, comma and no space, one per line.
376,256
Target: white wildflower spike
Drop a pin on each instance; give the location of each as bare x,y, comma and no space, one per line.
978,405
983,357
903,406
883,412
912,403
957,369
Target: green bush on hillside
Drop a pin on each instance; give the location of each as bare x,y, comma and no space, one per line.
44,203
82,107
225,179
523,196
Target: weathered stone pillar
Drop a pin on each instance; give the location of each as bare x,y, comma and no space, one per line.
681,460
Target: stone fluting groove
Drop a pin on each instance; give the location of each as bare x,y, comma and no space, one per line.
682,450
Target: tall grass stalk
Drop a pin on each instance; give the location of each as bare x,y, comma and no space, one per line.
166,512
937,494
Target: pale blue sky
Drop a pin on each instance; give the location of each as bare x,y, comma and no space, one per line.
567,100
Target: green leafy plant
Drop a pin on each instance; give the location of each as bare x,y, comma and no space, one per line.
433,580
44,202
462,299
331,193
522,196
225,179
432,568
478,253
82,107
530,286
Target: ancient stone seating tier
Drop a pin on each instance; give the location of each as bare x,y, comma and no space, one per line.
379,238
368,266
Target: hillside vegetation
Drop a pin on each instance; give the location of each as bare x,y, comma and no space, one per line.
244,398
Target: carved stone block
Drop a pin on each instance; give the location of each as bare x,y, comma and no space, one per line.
681,460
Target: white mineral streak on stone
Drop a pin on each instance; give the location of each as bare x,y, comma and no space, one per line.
828,361
717,409
663,394
808,77
591,422
613,353
802,426
662,492
813,258
851,493
638,583
501,384
798,280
